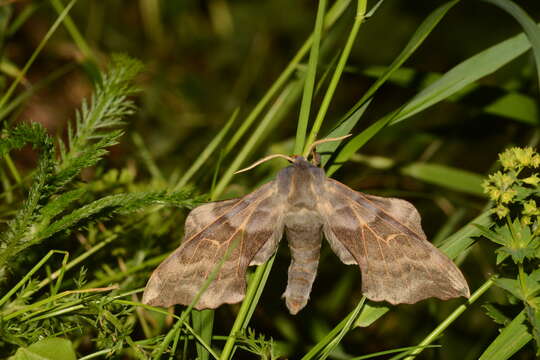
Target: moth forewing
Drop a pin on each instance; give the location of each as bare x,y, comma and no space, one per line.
211,229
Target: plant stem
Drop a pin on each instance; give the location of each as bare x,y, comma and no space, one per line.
309,83
450,319
241,319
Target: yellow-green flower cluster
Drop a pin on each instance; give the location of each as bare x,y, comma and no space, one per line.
517,158
503,186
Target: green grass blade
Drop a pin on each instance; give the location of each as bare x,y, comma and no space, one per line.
461,240
528,25
34,55
357,142
343,128
207,152
74,32
466,73
332,16
321,345
358,20
512,338
275,112
261,281
425,28
404,350
450,319
339,336
309,83
446,176
253,293
203,324
454,80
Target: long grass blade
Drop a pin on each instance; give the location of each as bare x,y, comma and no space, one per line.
309,83
512,338
358,20
35,54
529,27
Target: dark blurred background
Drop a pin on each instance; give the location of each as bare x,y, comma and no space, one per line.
204,59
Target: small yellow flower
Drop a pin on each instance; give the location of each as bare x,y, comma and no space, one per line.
506,181
529,208
501,211
508,159
494,194
525,220
532,180
501,181
524,155
535,161
508,195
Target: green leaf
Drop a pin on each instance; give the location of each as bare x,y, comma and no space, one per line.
464,74
118,203
518,241
416,40
533,315
511,285
529,26
47,349
496,315
343,128
309,83
461,240
515,106
203,324
491,235
511,339
446,176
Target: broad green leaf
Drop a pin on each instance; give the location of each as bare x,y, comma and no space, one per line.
510,285
491,235
47,349
512,338
528,25
309,81
416,40
343,128
461,240
446,176
465,73
515,106
356,143
203,324
533,315
496,315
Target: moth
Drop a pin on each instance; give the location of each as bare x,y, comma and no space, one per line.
383,236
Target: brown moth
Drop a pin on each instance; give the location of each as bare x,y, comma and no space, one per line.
381,235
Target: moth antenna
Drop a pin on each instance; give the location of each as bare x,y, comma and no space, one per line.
322,141
264,159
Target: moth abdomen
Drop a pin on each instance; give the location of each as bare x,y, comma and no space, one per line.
305,245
